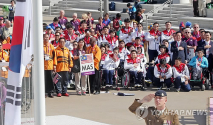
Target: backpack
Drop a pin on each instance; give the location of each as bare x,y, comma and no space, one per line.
112,6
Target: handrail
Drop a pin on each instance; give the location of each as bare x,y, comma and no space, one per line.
156,10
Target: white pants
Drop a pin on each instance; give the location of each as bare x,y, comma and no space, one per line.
202,7
80,86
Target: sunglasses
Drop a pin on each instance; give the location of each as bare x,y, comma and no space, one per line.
187,32
139,26
57,35
195,27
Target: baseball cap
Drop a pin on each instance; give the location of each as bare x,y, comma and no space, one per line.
188,24
160,93
1,18
182,25
48,27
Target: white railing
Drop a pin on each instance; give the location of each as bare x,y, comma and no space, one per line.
156,9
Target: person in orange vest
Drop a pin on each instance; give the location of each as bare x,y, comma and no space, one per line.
4,57
93,79
62,65
49,53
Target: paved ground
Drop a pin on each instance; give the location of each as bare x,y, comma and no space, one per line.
111,109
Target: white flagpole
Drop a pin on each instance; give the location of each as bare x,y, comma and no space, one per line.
38,70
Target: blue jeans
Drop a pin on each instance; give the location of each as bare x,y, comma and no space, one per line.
109,76
160,84
61,85
152,54
137,76
179,84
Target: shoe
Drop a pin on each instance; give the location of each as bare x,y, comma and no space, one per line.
78,93
178,90
160,88
65,94
68,86
168,89
59,95
97,93
84,93
50,95
136,85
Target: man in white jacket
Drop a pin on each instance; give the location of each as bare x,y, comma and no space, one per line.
111,62
154,37
126,32
163,74
181,75
136,68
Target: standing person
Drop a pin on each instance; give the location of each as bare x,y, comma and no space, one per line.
117,23
55,42
49,54
90,20
1,22
106,20
70,37
140,33
80,80
202,8
112,40
138,15
126,32
55,23
75,22
202,42
181,75
94,79
62,65
195,7
153,37
4,57
179,49
99,26
82,29
131,11
168,33
191,43
12,8
62,20
87,37
158,115
49,32
196,32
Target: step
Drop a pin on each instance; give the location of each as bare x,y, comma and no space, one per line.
162,18
163,21
178,9
181,5
176,12
168,15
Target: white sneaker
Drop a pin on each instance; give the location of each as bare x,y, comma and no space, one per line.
68,86
168,89
136,85
160,88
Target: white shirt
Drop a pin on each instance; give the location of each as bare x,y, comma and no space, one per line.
153,43
207,50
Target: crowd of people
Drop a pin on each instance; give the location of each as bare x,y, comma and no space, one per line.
116,44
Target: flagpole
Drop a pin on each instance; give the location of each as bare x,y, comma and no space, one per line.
38,70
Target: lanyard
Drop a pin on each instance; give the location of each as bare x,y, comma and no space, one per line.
87,40
47,50
200,59
163,70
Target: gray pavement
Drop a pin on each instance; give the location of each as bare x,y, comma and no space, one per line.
111,109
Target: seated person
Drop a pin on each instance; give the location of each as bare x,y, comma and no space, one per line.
138,43
111,62
112,40
141,55
108,50
198,62
163,54
135,67
163,74
103,56
181,75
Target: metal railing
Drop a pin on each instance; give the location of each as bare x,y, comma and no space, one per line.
156,9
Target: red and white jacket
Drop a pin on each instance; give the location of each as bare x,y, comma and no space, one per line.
113,42
166,35
162,56
140,56
136,46
153,43
166,71
129,64
109,64
87,40
180,71
139,34
103,57
123,52
103,38
68,38
123,35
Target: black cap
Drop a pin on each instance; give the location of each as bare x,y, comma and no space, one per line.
55,19
160,93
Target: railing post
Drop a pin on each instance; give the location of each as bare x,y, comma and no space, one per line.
147,22
66,3
170,9
49,7
101,8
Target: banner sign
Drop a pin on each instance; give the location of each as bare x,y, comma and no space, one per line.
87,64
